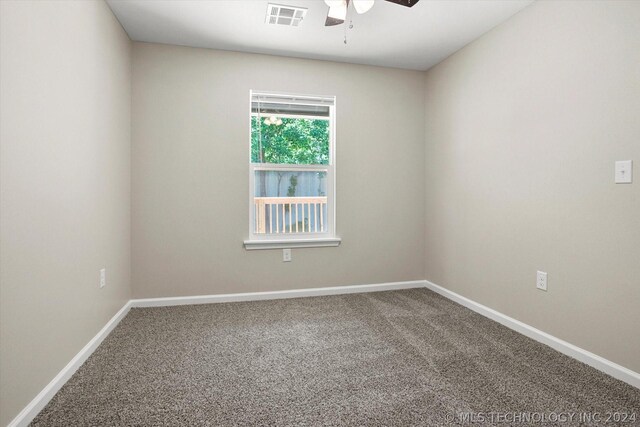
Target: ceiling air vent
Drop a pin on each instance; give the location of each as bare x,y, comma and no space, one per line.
289,16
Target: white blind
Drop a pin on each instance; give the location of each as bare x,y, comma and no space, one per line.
270,103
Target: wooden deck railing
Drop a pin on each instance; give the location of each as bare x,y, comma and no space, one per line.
290,214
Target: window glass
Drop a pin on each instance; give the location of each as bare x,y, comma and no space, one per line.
282,140
291,166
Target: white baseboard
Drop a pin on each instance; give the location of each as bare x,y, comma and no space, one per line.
258,296
584,356
40,401
600,363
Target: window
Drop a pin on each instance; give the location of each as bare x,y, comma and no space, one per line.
291,171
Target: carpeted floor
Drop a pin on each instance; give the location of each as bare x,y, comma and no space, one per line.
400,358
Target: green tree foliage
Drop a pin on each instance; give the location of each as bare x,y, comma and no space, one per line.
295,141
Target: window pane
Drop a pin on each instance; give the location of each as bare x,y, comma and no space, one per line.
290,202
289,141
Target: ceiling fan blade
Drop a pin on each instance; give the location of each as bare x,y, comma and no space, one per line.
337,12
332,21
407,3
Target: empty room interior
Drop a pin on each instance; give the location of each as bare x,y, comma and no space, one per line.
308,212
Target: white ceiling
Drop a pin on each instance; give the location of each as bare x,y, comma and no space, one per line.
388,35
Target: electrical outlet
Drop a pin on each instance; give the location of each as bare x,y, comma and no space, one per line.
286,255
541,281
103,277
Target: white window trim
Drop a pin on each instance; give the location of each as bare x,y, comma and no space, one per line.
251,245
297,240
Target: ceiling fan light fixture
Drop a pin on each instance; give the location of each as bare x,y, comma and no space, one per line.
335,3
272,120
337,9
363,6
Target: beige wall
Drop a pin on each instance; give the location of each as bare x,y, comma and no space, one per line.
522,130
190,178
65,186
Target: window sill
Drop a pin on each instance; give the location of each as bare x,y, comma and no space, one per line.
251,245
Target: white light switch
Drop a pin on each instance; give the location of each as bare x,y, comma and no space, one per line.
624,172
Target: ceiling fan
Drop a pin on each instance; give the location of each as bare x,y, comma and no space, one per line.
338,8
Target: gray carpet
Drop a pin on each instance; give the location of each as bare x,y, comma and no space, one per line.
400,358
